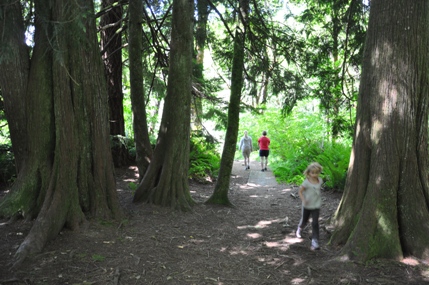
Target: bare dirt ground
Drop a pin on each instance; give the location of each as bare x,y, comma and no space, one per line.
253,243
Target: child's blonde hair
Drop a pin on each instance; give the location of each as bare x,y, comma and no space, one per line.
313,166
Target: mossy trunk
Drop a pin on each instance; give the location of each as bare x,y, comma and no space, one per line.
69,173
166,180
384,209
220,193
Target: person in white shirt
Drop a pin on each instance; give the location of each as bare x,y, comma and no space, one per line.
309,192
246,148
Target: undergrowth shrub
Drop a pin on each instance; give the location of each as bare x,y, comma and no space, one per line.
204,161
333,157
298,140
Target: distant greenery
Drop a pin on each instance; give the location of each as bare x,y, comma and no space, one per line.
297,140
7,160
204,160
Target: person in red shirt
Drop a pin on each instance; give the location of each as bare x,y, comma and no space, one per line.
264,150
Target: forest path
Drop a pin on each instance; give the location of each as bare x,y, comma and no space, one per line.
255,177
252,243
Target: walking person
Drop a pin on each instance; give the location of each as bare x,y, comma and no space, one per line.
246,148
309,192
264,150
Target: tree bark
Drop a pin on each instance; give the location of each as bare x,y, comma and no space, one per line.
111,45
166,180
220,193
203,10
141,134
68,174
384,209
14,66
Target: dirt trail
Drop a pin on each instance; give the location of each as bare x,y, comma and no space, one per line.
252,243
258,178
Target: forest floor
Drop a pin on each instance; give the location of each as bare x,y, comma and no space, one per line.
252,243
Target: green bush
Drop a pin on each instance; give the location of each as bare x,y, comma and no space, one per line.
334,158
299,139
204,161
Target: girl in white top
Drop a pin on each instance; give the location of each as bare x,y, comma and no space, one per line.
309,192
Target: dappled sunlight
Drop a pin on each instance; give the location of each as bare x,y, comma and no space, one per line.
285,190
383,223
245,187
254,235
254,185
236,176
275,244
280,245
387,94
292,240
263,224
265,196
410,261
259,225
299,281
128,179
238,252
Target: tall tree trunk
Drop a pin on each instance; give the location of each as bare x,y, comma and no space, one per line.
141,134
220,193
14,66
166,180
68,174
111,45
203,10
384,209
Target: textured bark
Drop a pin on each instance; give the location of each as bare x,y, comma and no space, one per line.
14,66
203,10
384,209
111,45
141,134
166,180
68,174
220,193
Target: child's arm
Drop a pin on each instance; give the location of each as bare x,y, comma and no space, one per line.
301,194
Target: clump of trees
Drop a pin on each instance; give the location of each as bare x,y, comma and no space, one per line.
64,102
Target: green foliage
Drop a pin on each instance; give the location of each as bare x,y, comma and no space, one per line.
133,187
334,39
97,257
299,139
204,161
118,141
333,157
